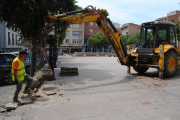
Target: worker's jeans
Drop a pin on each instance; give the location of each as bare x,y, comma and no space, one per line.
19,86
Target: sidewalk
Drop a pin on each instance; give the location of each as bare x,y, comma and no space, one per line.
103,91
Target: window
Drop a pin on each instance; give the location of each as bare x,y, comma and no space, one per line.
75,41
96,24
172,36
124,33
91,23
76,33
16,39
91,31
67,41
2,58
161,36
97,31
12,38
67,33
9,58
76,25
126,27
9,39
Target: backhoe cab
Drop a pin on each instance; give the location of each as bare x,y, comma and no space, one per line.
157,48
154,34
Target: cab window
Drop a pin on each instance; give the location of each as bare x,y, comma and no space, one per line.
162,35
172,36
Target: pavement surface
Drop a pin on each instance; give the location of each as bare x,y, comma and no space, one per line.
102,91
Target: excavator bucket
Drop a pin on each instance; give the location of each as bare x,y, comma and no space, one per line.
69,71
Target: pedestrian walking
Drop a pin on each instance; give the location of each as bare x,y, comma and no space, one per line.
19,75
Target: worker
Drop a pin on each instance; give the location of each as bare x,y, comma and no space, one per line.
149,43
19,74
152,36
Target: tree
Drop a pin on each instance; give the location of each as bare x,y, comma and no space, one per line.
27,17
131,40
137,34
128,39
124,39
98,40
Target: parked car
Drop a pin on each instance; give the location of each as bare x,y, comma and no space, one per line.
5,67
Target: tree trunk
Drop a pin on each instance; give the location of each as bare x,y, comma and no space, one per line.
34,57
55,52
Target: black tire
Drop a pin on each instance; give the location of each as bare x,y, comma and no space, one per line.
141,69
170,68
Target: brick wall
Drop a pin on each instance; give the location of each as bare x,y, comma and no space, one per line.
87,28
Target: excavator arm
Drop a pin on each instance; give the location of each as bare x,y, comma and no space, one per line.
91,15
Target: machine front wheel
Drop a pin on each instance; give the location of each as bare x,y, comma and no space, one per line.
170,64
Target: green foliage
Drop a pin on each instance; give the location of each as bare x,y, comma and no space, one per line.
162,35
27,16
128,39
98,40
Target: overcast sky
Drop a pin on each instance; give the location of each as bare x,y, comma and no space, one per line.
136,11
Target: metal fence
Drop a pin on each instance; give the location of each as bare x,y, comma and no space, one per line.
94,49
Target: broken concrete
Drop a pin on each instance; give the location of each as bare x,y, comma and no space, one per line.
43,99
43,74
2,110
38,95
35,90
10,106
34,84
50,93
26,100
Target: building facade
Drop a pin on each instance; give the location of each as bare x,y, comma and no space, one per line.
74,41
129,29
117,25
9,39
174,15
91,28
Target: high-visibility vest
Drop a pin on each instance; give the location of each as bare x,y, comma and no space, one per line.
20,71
152,38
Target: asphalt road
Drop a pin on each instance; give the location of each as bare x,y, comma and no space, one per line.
104,91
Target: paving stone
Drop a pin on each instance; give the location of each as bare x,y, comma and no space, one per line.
13,118
1,117
2,110
26,100
50,93
35,84
10,106
38,95
43,99
35,90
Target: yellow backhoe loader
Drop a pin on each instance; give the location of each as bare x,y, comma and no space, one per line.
157,47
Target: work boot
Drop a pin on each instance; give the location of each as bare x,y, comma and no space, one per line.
18,102
27,92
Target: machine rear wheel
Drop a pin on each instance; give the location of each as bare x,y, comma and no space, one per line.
170,64
141,69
